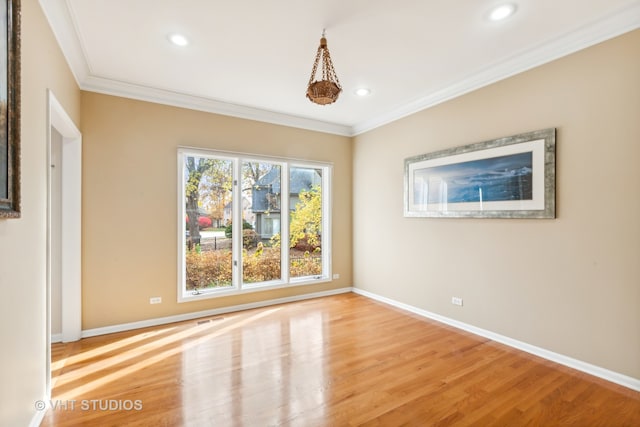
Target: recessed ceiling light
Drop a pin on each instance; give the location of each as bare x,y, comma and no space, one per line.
502,12
363,91
178,39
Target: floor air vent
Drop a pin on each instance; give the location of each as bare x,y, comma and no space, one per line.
202,322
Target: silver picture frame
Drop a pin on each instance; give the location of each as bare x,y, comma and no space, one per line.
509,177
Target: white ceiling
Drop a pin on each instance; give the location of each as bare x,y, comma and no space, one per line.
253,58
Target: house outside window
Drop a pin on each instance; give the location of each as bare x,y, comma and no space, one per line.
266,193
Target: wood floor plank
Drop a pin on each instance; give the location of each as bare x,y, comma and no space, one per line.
343,360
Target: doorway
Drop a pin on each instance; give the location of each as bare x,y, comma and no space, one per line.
64,177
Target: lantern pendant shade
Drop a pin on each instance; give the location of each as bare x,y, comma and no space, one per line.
326,90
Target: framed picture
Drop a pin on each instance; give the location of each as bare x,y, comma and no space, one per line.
511,177
9,108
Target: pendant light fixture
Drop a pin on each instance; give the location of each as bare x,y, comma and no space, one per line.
326,90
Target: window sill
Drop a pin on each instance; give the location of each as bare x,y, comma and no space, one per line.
247,289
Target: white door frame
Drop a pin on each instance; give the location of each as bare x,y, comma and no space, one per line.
71,229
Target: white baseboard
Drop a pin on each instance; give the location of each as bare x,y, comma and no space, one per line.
38,417
597,371
56,338
213,312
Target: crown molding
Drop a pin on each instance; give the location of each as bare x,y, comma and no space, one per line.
162,96
64,29
618,23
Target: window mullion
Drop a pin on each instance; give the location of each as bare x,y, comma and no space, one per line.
237,224
284,223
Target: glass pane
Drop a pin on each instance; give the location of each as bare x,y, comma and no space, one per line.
208,193
305,226
261,197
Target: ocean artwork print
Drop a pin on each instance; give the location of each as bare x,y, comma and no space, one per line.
494,179
507,177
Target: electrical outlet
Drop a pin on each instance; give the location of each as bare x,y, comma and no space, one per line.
155,300
456,301
336,276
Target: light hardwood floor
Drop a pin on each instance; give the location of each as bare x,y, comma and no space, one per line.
343,360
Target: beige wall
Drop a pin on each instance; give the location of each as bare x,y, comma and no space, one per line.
23,241
570,285
130,202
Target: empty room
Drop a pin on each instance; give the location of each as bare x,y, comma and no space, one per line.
320,213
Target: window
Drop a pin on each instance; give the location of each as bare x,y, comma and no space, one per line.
234,236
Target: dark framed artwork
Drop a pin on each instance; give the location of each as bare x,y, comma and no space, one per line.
9,108
510,177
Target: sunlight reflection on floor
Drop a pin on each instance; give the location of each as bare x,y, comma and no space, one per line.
144,352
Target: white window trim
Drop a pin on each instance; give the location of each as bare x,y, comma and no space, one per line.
285,281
